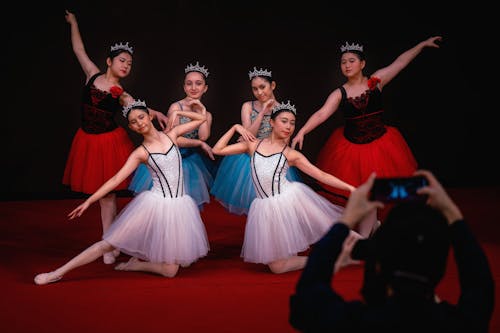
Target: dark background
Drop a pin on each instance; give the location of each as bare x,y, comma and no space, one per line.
440,102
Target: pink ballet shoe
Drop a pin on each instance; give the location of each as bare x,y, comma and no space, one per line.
46,278
108,258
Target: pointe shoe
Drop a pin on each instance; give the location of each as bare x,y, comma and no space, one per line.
46,278
108,258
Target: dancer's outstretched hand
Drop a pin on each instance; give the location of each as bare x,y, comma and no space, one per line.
78,211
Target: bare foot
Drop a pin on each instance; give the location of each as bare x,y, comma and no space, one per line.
130,265
46,278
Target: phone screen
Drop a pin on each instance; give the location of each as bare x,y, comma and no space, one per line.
398,189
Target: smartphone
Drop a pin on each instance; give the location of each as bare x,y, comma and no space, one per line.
398,189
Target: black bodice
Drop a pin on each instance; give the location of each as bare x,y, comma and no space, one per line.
98,109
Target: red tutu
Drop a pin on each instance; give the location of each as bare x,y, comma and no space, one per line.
95,158
388,156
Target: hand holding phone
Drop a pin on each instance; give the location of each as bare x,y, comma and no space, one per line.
398,189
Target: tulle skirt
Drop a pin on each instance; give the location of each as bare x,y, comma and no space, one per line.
388,156
142,180
197,172
95,158
198,177
233,186
160,230
288,223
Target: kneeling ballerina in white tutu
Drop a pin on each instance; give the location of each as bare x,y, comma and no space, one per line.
160,228
287,216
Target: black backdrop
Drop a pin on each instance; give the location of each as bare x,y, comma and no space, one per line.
439,102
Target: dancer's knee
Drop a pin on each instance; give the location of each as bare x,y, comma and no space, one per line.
278,267
169,270
104,246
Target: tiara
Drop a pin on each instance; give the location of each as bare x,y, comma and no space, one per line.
196,68
286,107
259,72
134,104
123,47
351,47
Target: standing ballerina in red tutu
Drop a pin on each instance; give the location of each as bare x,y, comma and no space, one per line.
101,146
365,143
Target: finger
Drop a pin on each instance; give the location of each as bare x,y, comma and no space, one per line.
371,179
376,205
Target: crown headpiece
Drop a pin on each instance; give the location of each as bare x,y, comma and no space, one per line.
123,47
351,47
134,104
286,107
259,72
196,68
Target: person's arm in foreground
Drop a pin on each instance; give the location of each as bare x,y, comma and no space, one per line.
315,304
477,294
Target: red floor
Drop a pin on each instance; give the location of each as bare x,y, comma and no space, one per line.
219,293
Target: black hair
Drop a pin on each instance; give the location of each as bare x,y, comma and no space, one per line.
282,107
276,113
265,77
409,252
115,53
138,107
360,54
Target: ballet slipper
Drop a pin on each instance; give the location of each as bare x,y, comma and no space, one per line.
46,278
108,258
116,252
126,266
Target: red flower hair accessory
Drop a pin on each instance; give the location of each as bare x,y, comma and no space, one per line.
116,91
372,82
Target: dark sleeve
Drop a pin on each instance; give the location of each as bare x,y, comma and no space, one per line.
477,293
311,305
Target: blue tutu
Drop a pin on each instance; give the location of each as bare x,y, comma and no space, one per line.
141,181
233,186
198,172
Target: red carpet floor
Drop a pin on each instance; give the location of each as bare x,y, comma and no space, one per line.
219,293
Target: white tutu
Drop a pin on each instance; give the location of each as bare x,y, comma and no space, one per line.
285,224
160,230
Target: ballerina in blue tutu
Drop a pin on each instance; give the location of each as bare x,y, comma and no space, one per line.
198,162
233,186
